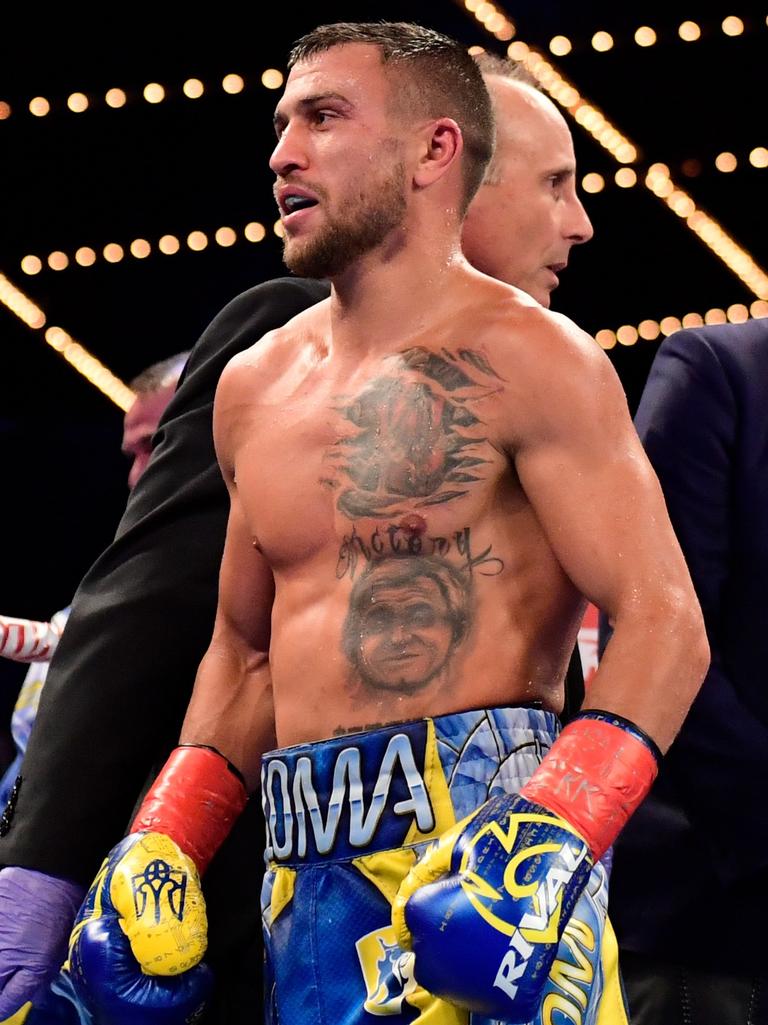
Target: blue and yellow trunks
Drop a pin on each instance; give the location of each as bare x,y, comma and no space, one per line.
346,820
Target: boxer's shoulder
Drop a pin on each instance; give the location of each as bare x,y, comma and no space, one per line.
547,370
278,351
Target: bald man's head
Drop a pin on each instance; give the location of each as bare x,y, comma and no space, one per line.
526,217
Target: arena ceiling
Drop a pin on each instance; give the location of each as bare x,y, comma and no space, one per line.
107,177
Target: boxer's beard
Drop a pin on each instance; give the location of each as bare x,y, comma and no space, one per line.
365,223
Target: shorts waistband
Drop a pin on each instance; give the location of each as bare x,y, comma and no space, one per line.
396,786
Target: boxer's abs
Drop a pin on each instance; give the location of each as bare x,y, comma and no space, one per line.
418,635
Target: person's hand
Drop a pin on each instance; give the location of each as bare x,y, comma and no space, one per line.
36,916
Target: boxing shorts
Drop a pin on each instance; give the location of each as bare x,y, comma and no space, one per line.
346,820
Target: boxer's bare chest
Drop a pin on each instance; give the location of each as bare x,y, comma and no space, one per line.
377,454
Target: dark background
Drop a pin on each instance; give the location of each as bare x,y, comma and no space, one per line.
70,180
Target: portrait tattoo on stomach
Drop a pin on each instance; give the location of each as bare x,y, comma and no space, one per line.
406,618
417,444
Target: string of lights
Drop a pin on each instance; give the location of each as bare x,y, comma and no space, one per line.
152,93
657,178
84,362
649,330
197,241
627,177
658,181
626,334
140,248
645,36
493,19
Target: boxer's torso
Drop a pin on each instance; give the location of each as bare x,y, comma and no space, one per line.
412,575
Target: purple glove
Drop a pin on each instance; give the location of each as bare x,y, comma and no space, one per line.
36,916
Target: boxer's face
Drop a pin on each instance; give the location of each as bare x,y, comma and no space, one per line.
139,425
526,216
338,161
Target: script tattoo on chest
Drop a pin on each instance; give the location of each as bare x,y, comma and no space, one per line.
416,438
393,541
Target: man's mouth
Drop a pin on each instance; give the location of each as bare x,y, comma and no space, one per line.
400,657
290,199
293,203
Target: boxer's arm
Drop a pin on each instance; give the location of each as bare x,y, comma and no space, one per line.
585,473
230,719
125,955
120,681
231,708
485,908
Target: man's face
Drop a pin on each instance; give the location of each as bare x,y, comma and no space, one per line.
139,425
524,219
405,635
338,161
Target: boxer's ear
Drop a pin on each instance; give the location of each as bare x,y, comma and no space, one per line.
441,147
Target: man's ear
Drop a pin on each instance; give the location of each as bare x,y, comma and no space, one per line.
441,147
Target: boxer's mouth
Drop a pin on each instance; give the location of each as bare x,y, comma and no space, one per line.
290,199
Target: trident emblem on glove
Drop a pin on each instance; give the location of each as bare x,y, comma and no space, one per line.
159,880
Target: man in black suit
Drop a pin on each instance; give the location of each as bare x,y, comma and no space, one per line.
689,893
142,617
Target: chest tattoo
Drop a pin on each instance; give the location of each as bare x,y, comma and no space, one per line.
416,436
417,440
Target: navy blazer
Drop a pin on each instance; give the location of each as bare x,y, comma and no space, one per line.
691,868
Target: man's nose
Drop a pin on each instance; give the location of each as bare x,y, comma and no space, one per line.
289,154
577,227
400,632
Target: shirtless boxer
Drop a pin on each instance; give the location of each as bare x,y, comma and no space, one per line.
520,228
407,440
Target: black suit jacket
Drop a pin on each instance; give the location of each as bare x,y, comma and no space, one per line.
690,879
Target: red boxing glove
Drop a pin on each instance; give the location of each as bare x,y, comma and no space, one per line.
194,800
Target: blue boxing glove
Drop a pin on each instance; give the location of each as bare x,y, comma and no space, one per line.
135,951
485,908
139,937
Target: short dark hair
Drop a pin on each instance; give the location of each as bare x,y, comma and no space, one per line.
159,375
441,80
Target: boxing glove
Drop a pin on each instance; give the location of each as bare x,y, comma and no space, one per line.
137,944
485,908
